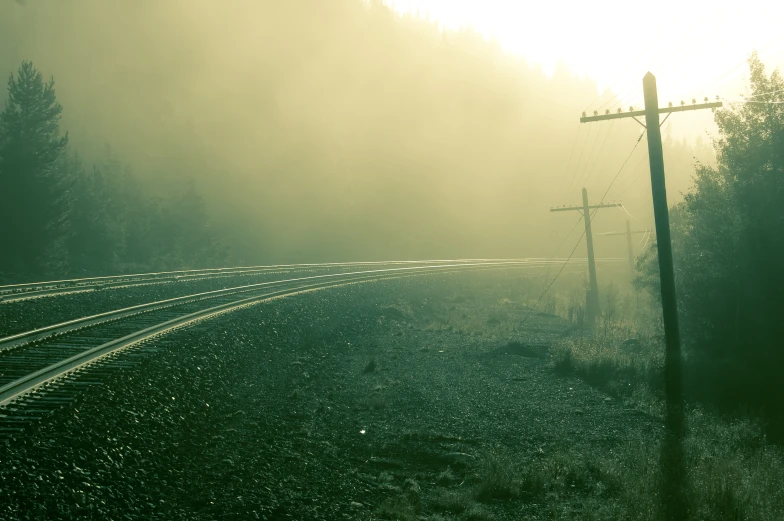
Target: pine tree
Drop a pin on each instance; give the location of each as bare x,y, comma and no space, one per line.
33,195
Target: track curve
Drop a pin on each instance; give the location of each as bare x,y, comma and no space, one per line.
34,364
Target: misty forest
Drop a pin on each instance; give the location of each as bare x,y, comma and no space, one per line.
236,206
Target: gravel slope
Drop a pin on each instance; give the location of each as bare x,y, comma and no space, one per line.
319,406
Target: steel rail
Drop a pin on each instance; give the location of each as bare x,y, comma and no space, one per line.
38,334
15,292
34,380
75,284
16,296
178,274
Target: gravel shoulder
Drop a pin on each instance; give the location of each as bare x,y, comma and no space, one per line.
325,405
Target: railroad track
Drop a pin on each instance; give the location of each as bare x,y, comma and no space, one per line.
27,290
45,368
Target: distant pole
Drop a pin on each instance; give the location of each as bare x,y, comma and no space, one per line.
629,244
630,247
592,296
592,310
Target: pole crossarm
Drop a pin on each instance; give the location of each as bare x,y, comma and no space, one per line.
624,233
591,207
638,113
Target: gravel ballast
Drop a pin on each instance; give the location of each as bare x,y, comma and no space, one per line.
317,406
24,315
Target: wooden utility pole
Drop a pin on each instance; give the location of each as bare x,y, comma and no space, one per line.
629,246
660,210
674,501
592,297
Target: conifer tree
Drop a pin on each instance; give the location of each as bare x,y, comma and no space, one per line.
33,201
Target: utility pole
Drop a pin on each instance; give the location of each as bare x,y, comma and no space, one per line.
629,246
660,209
674,502
592,297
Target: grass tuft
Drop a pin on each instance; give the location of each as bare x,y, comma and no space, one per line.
447,477
498,477
634,374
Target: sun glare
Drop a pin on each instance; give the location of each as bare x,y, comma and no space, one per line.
695,49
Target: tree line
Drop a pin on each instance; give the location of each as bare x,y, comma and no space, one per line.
333,131
64,217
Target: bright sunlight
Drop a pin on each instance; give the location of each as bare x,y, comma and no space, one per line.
695,49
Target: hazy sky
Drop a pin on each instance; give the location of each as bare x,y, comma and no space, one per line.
325,130
700,47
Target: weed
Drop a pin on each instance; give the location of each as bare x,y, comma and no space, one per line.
446,477
371,366
498,479
607,364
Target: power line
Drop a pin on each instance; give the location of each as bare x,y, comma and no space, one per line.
748,102
569,162
590,170
566,238
582,152
732,69
636,178
623,208
556,277
764,93
623,165
587,162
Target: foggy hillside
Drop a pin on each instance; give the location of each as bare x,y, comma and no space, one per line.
321,131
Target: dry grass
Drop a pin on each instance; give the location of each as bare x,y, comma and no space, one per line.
732,472
447,477
631,373
499,479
